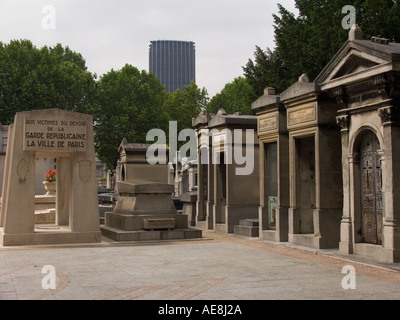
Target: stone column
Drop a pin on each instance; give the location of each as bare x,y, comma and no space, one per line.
19,204
346,238
391,183
294,220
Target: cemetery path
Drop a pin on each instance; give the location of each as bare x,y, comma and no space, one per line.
217,267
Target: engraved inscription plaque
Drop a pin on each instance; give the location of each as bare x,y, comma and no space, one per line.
302,115
266,124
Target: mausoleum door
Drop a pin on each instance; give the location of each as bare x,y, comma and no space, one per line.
371,190
271,182
222,178
305,183
204,190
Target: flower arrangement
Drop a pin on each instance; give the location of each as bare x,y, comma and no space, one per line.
51,176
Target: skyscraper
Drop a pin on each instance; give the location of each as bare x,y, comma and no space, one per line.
173,62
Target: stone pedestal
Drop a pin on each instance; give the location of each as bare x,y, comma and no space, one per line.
145,212
45,209
51,188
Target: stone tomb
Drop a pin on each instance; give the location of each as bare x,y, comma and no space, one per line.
67,137
364,78
315,176
145,211
274,167
134,166
225,194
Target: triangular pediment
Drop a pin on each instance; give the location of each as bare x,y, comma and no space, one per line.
356,57
354,64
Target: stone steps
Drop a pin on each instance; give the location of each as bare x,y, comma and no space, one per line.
248,228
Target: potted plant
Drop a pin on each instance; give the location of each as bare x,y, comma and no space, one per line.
50,183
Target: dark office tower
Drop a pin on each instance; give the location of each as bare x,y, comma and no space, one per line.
173,62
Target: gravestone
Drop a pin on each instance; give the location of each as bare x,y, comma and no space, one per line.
67,137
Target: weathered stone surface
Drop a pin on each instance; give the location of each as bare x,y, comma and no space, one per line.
142,212
144,187
45,217
68,137
248,228
158,224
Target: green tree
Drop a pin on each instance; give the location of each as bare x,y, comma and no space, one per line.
379,18
183,106
129,104
306,43
267,70
236,96
32,78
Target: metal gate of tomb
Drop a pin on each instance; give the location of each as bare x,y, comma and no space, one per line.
371,190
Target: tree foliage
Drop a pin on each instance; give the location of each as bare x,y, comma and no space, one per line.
182,106
129,104
32,79
307,42
236,96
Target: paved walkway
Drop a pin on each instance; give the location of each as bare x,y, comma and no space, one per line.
218,267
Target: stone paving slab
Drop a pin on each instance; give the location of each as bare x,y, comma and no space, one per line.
218,267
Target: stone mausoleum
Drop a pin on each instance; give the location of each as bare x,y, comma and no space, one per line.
228,192
330,154
364,79
274,167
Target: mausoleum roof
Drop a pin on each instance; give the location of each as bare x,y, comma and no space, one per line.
264,101
223,119
134,147
360,59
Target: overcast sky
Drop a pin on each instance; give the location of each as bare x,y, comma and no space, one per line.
110,34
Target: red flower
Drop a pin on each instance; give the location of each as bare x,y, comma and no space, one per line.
51,176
